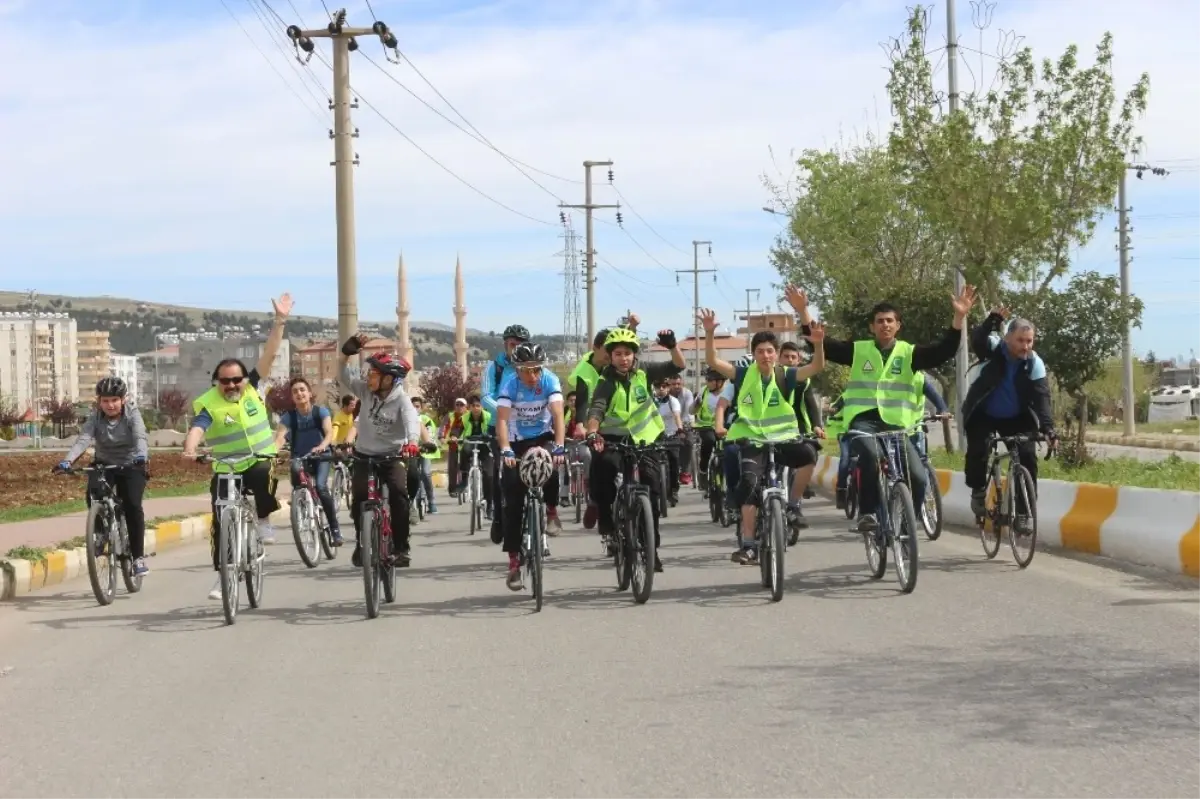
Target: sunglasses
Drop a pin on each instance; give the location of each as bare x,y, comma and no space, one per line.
230,381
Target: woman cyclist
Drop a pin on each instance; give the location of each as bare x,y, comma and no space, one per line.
309,431
117,431
529,413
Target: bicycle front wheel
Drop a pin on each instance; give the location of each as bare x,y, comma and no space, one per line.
640,537
102,570
228,562
254,563
304,527
994,508
536,527
133,582
369,552
903,522
1023,503
776,549
931,508
337,488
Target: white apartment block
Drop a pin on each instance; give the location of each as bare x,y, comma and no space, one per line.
126,368
44,351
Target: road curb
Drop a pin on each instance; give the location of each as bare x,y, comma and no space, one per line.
1141,526
19,577
1180,443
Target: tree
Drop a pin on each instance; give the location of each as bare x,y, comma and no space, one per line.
172,405
441,385
1083,330
61,414
10,417
279,398
1025,168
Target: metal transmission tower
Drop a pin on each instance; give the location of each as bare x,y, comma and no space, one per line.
572,315
345,159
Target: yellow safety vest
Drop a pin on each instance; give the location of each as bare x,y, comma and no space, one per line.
704,416
764,414
585,371
431,426
633,413
892,387
240,427
468,424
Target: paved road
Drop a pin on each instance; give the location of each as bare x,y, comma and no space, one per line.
1065,680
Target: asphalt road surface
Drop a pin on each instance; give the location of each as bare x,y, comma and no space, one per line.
1068,679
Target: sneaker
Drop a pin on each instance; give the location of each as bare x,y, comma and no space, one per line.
590,515
979,503
433,510
796,516
867,523
356,558
809,493
140,569
336,535
513,581
402,557
839,500
215,593
266,533
553,524
685,479
657,564
497,534
746,556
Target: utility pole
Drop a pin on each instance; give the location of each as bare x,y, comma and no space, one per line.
696,271
749,312
1123,247
345,159
590,255
960,361
35,404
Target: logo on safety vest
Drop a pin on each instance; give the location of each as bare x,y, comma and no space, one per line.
867,367
639,394
748,399
228,419
897,366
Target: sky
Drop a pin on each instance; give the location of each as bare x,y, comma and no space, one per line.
177,152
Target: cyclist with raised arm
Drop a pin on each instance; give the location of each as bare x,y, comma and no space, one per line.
494,375
1010,396
623,407
233,420
118,433
308,430
388,424
529,413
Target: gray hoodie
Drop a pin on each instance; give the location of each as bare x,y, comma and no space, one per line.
384,425
118,441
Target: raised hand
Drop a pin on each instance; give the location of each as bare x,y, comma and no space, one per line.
816,332
1002,311
796,297
964,301
708,319
282,306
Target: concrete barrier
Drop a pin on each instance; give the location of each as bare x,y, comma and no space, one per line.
1145,526
1181,443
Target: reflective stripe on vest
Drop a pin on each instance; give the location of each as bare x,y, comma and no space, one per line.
635,416
764,414
704,416
239,428
585,371
890,387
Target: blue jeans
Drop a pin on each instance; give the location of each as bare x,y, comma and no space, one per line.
319,472
426,476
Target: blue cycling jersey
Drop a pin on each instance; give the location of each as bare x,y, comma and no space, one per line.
529,414
495,373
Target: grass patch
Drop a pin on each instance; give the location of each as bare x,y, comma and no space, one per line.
30,512
72,543
1187,427
37,554
157,520
1172,473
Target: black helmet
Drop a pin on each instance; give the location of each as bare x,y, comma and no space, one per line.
528,354
713,374
516,331
388,364
111,387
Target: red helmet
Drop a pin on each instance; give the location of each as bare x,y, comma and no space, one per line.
388,364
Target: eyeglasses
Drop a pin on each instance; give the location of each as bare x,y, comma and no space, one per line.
230,381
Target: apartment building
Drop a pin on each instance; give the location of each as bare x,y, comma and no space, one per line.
782,324
94,352
186,363
729,348
321,360
38,357
126,368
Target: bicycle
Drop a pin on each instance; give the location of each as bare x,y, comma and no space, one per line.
1008,490
896,519
340,480
666,498
716,486
577,483
771,521
533,539
239,553
633,546
105,518
930,514
310,527
375,536
474,489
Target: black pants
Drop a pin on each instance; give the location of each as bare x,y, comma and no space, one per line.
684,455
793,455
708,440
869,451
514,493
978,429
403,480
258,480
130,486
605,468
485,468
673,446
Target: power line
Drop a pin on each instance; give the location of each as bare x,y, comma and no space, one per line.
610,265
643,219
271,34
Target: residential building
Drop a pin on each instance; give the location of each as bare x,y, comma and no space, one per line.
93,351
781,323
186,363
157,370
729,348
126,368
38,352
321,360
1173,376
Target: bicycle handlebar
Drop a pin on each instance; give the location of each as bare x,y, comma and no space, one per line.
1025,438
207,457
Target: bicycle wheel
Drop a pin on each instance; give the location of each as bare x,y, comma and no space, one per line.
326,534
876,547
640,538
931,508
386,548
227,562
851,496
663,490
133,582
369,552
621,560
102,571
714,503
304,527
577,493
1023,494
255,562
902,518
989,535
337,488
776,549
533,557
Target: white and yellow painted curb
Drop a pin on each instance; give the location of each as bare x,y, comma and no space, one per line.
1144,526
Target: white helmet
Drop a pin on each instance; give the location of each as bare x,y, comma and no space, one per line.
744,361
535,467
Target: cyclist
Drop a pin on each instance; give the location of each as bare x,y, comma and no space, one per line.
233,419
476,422
686,400
451,432
704,411
623,407
309,430
761,395
118,433
494,375
671,411
731,455
387,424
884,383
425,467
343,420
577,449
1010,396
529,413
808,411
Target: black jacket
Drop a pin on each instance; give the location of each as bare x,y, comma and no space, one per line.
1034,395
